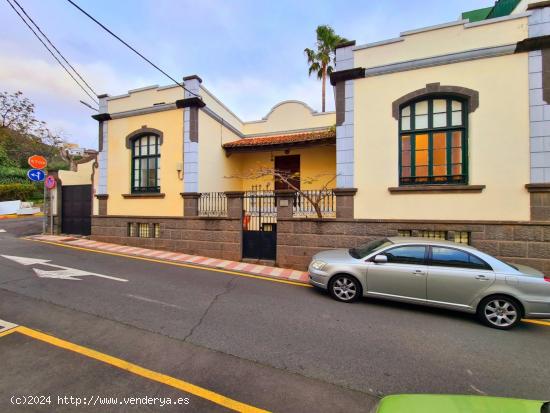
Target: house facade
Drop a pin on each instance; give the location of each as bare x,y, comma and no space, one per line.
443,131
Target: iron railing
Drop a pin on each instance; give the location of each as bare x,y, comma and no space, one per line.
303,208
212,204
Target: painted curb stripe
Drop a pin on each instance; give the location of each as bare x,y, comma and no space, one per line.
177,264
141,371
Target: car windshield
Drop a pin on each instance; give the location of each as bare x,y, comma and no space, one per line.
363,250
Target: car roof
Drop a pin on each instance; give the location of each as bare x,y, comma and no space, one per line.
429,241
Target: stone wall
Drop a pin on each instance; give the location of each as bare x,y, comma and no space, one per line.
210,237
520,242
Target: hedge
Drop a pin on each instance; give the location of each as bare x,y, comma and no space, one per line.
17,192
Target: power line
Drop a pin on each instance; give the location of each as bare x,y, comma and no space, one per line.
55,48
131,48
53,55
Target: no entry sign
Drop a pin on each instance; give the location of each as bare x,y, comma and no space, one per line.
37,162
50,182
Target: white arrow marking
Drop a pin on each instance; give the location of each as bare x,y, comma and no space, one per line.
64,273
24,260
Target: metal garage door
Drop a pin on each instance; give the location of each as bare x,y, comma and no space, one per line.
76,209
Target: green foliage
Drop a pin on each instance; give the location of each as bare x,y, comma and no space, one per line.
4,158
13,175
14,192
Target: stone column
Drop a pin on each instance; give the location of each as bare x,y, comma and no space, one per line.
102,159
344,116
234,204
344,202
190,204
285,202
190,105
538,47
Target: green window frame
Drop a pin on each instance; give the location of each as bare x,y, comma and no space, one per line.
146,164
433,141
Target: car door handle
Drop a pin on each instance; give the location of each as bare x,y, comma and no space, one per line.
482,277
419,272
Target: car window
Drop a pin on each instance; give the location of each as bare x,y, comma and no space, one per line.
409,254
451,257
368,248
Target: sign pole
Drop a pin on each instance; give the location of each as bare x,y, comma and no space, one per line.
51,212
44,212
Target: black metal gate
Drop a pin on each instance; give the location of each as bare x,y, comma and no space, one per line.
259,225
76,209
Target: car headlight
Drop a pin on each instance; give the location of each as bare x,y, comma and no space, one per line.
318,265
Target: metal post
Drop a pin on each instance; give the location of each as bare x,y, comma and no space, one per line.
51,212
44,211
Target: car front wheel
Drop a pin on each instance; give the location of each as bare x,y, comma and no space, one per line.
500,312
345,288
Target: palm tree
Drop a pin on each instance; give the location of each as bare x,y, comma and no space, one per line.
320,60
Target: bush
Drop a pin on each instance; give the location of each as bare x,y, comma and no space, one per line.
13,175
15,192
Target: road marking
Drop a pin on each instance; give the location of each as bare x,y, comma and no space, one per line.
6,326
64,273
150,300
539,322
2,230
177,264
140,371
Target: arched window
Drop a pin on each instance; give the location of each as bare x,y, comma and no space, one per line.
146,164
432,141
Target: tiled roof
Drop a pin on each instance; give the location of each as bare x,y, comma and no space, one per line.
288,139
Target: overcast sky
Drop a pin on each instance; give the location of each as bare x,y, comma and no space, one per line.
249,53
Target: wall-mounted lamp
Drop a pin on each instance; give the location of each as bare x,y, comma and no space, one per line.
179,168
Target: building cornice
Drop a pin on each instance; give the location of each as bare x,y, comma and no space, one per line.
533,43
348,74
190,103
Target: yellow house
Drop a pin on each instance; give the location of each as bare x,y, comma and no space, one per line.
442,131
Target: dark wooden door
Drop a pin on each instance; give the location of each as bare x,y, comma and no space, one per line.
76,209
291,165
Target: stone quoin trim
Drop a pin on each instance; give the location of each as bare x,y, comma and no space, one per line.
431,89
144,130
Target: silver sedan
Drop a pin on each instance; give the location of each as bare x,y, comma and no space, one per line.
435,273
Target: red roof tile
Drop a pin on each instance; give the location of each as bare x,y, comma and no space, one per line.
296,138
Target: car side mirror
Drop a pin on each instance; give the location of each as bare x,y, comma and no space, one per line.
380,259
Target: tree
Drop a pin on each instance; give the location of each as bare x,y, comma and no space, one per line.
320,60
22,134
315,198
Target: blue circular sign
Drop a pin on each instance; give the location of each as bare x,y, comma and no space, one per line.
36,175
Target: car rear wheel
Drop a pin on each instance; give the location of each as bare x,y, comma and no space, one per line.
345,288
500,312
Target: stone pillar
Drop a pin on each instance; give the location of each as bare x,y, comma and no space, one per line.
190,204
102,158
102,204
344,117
190,104
285,202
344,202
538,47
235,204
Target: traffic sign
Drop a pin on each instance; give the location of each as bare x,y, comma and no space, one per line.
37,162
50,182
36,175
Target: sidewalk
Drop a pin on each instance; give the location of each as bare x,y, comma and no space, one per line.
253,269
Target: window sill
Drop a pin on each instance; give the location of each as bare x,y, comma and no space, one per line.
144,195
436,189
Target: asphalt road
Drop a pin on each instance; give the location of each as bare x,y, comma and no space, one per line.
279,347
